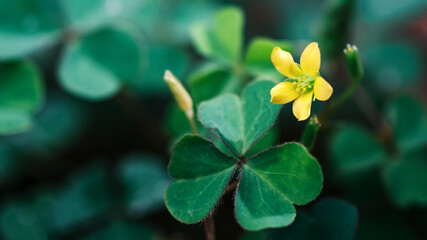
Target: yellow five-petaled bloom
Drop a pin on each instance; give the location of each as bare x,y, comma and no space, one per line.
303,80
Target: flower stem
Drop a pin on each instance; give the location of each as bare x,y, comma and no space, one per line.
192,121
209,226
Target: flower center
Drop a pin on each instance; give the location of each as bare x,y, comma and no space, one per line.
303,83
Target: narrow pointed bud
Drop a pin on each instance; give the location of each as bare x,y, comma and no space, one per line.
310,133
182,98
354,65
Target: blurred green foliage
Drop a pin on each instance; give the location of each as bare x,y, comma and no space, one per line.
81,92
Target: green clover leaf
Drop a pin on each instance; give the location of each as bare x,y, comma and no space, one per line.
268,184
272,181
202,172
240,122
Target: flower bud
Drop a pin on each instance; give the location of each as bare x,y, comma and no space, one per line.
182,98
354,65
310,133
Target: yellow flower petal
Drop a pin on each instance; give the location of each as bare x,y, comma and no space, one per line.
310,59
283,92
322,89
302,106
284,63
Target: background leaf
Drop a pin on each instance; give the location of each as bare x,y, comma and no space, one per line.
409,123
210,81
21,95
94,70
354,149
221,39
145,180
27,26
258,60
406,182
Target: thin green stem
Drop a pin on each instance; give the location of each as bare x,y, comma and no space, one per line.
345,95
192,121
340,100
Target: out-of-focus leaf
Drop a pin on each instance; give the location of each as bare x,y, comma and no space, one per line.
176,122
27,26
240,122
84,196
144,179
393,65
406,181
332,219
211,80
21,221
21,94
88,15
300,19
96,66
161,57
13,45
389,11
119,231
60,123
221,39
335,26
271,182
182,16
258,60
354,149
409,123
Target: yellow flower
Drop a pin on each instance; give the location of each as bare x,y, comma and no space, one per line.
303,80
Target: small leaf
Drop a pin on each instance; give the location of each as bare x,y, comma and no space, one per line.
210,81
60,123
145,181
27,26
223,38
409,123
202,172
160,57
332,219
19,221
389,11
393,66
240,122
406,181
258,60
272,182
354,149
94,70
84,196
21,95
